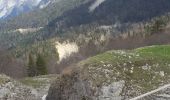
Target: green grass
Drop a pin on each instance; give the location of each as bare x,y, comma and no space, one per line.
161,51
39,81
143,68
33,83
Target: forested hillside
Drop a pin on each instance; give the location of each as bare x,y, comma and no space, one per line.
112,24
96,49
111,11
77,12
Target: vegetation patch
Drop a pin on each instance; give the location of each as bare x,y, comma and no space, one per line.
143,69
39,81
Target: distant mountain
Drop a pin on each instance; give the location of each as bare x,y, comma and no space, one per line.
90,24
11,8
49,10
107,12
70,13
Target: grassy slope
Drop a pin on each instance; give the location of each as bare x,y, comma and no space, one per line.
39,81
143,69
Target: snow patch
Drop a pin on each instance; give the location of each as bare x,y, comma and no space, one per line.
66,49
95,5
7,6
45,5
44,97
27,30
102,38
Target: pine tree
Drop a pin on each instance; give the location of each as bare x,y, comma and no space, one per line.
158,25
41,65
31,70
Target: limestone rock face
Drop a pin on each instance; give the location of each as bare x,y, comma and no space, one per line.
112,91
13,90
70,87
76,87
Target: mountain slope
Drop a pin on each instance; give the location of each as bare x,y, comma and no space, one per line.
11,8
70,13
111,11
115,75
41,17
98,38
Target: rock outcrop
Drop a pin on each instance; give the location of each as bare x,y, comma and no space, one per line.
13,90
76,86
32,88
70,87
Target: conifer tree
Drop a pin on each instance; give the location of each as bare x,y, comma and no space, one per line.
41,65
31,70
158,25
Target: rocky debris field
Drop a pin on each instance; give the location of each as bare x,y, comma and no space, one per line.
25,89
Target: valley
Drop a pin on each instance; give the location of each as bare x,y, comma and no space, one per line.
84,49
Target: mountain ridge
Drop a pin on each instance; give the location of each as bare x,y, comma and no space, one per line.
111,11
12,8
